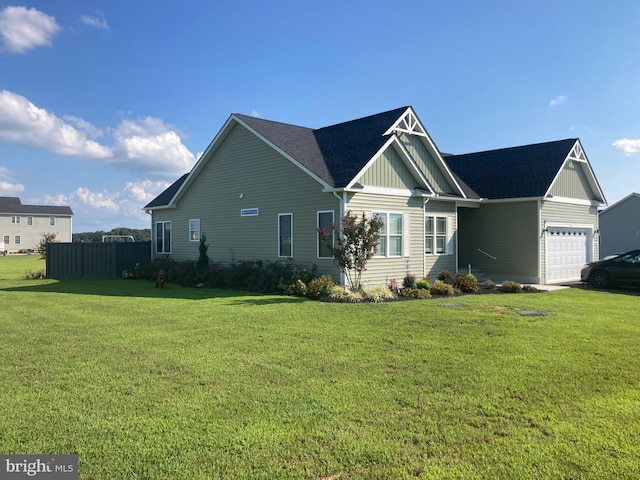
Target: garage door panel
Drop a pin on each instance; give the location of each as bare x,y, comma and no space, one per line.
567,252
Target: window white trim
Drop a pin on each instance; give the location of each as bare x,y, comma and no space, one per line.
330,231
162,246
386,236
285,239
194,229
441,238
30,221
52,221
15,219
16,240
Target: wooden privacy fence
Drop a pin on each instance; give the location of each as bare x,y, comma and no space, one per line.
97,260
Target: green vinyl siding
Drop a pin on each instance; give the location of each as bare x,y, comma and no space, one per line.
389,171
508,232
572,182
413,260
244,172
430,168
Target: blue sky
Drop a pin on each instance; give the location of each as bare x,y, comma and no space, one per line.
105,103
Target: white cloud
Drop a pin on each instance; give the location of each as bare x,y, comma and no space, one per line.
22,123
24,28
627,146
150,145
85,126
146,146
560,99
95,22
7,186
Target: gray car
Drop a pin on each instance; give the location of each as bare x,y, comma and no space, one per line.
623,269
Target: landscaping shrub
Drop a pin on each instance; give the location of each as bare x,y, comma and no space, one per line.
529,289
446,276
442,288
419,293
320,287
423,283
511,287
253,275
409,281
489,284
466,282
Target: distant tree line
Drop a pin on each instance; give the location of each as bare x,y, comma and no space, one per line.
143,235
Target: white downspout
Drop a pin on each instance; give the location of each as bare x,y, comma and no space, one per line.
343,202
424,233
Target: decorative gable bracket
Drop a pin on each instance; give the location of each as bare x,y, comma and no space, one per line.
577,153
407,123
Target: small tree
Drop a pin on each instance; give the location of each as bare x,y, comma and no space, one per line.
203,258
354,246
41,247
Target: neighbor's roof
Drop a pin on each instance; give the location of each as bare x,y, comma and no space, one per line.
13,205
620,202
516,172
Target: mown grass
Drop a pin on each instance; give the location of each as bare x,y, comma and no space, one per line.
198,383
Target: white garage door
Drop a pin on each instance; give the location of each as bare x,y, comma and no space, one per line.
567,252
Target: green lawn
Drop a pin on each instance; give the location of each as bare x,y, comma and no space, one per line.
198,384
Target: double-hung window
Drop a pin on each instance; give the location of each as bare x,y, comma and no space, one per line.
52,221
15,219
29,220
194,230
435,235
390,235
163,237
285,235
325,222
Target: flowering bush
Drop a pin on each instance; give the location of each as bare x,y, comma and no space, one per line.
354,247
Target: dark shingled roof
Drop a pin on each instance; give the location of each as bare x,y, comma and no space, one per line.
13,205
335,153
165,197
517,172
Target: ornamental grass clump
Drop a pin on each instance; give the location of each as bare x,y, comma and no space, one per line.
379,293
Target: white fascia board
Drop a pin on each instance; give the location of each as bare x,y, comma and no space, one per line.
573,201
404,155
284,154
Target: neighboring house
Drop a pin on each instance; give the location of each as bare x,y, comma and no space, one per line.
620,226
22,226
261,189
